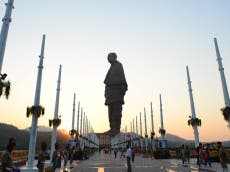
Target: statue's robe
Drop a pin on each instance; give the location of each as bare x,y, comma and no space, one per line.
115,89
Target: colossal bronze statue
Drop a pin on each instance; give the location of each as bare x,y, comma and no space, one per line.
115,88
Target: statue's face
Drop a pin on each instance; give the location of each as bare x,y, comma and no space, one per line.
112,57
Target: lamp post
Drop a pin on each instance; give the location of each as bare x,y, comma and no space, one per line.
5,85
36,110
57,120
193,121
226,109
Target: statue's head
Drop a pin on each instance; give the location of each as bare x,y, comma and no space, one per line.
112,57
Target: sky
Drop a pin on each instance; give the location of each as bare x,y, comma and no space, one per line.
153,39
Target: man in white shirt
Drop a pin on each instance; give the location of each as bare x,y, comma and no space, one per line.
128,155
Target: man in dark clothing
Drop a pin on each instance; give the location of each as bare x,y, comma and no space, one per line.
115,88
42,157
7,161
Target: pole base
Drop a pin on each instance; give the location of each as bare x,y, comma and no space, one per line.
27,169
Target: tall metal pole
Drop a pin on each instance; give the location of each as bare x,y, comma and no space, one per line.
194,125
146,134
134,132
81,128
152,132
84,119
56,124
125,133
137,130
81,122
140,131
162,130
78,115
223,80
33,130
73,117
161,112
4,31
131,134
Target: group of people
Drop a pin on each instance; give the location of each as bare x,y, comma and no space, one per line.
43,155
7,160
58,155
129,154
202,155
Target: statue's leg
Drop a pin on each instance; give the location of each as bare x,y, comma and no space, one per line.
110,111
115,124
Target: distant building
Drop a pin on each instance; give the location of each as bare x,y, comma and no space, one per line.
104,140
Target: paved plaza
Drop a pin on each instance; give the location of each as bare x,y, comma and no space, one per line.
107,163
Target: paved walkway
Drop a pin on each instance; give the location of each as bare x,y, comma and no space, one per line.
107,163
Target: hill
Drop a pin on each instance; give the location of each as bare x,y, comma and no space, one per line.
44,134
41,129
176,141
22,137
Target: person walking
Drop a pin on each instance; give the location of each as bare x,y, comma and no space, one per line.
222,157
128,155
182,154
42,157
115,153
133,154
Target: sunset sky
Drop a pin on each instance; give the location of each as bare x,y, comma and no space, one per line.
154,40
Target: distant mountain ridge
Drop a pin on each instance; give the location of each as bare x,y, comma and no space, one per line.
41,129
22,136
44,134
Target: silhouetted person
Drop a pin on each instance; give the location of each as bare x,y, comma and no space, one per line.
207,157
42,157
7,161
115,153
133,154
182,154
66,155
128,155
115,88
187,154
55,157
223,157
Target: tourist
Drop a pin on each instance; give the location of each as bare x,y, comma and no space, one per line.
7,161
222,157
207,157
196,154
55,157
42,157
201,157
128,155
122,152
66,156
182,154
115,153
187,154
72,150
133,154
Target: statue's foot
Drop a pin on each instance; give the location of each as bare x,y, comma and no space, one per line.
112,132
